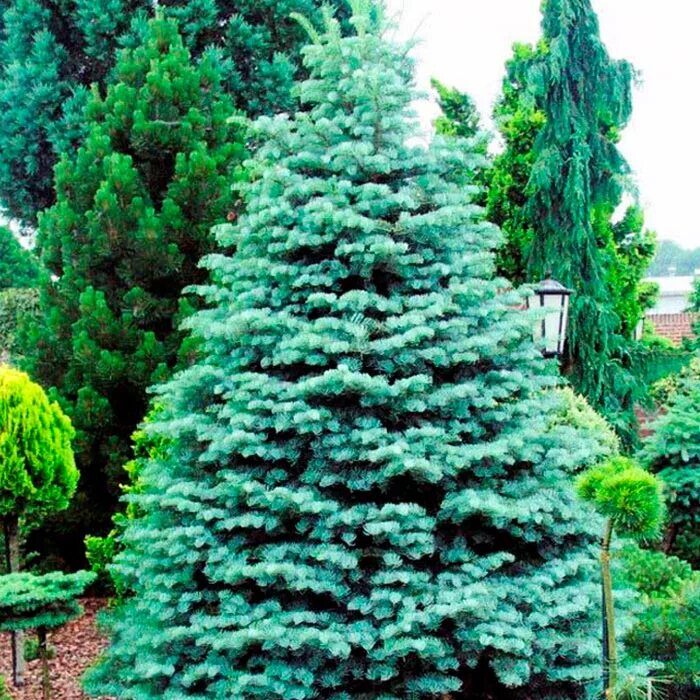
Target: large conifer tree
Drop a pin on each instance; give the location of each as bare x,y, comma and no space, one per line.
52,52
576,183
364,490
133,217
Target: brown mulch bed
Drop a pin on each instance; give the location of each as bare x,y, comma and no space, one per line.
77,646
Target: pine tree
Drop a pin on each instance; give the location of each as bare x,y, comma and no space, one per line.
575,186
53,52
366,488
133,217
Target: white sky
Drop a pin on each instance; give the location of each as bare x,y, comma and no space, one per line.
465,44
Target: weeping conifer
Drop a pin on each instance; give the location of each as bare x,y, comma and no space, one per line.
365,489
575,184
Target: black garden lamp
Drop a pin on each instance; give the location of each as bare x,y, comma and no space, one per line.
550,332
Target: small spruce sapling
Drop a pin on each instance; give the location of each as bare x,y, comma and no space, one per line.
41,603
631,501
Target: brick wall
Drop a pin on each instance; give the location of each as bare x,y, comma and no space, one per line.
675,327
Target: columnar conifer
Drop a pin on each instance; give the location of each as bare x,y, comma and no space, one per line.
365,490
133,217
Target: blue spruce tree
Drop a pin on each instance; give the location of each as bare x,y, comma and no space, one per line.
366,489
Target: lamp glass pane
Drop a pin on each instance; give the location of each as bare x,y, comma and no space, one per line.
552,321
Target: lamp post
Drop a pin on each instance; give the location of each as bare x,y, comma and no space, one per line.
551,330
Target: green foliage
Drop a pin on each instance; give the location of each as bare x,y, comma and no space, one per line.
17,307
101,551
576,412
29,602
555,189
53,53
460,115
574,189
668,628
4,692
627,494
37,471
32,650
673,451
460,118
665,390
18,267
133,217
668,631
695,296
655,342
357,497
634,248
653,573
519,121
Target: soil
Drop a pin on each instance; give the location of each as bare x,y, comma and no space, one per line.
76,645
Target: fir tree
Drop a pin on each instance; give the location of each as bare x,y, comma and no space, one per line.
628,247
366,488
133,217
53,52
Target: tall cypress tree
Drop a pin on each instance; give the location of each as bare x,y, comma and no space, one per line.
52,52
365,488
133,217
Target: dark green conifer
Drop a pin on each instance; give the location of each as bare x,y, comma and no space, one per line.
133,217
53,52
366,486
673,450
19,269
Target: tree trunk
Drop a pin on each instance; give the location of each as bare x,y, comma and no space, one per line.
610,643
12,562
44,656
670,538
